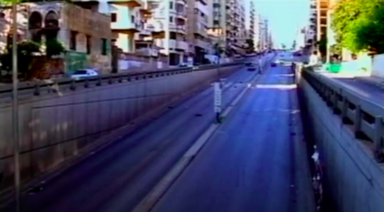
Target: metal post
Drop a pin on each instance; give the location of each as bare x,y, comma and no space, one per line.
15,111
167,32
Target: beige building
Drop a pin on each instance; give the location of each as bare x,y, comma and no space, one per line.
228,22
84,32
197,29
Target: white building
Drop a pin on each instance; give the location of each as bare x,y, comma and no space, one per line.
169,21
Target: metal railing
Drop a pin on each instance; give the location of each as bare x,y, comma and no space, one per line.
38,88
365,117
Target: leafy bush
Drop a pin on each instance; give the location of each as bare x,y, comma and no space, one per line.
54,47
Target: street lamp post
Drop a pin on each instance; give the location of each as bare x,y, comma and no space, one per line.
15,111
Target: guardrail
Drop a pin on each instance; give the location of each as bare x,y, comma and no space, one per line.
365,117
37,87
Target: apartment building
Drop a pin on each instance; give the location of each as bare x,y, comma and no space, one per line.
169,18
228,22
263,34
319,25
251,23
197,29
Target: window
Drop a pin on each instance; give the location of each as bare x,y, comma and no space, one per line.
88,44
104,46
72,41
171,5
133,18
171,19
113,17
172,35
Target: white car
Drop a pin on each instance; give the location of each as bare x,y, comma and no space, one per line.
84,73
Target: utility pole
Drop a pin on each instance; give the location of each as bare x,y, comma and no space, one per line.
15,107
167,32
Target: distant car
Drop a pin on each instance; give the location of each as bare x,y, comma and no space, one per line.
248,64
84,73
273,64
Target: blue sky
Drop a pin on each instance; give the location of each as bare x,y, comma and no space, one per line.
285,17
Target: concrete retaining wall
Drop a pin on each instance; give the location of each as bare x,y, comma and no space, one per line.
378,66
353,179
54,129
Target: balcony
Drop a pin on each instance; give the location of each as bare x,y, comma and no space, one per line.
173,44
202,7
129,3
126,26
183,2
147,30
181,15
200,30
200,43
158,30
182,45
178,28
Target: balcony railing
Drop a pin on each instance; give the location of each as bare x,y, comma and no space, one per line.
181,1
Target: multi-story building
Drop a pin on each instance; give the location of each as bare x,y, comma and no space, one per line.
311,30
228,22
169,19
84,32
263,33
197,29
252,23
319,25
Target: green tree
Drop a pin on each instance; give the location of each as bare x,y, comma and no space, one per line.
358,25
25,50
322,44
250,45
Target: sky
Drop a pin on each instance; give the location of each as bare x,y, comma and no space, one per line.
285,17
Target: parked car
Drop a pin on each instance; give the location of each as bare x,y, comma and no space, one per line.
84,73
273,64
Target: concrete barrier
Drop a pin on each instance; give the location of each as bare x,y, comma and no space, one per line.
58,127
353,179
378,66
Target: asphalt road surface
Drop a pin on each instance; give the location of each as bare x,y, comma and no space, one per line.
363,87
118,178
249,163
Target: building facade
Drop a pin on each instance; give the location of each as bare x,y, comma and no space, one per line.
169,18
84,33
228,19
263,34
197,29
252,24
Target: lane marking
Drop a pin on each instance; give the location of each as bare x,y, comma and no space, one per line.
150,201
